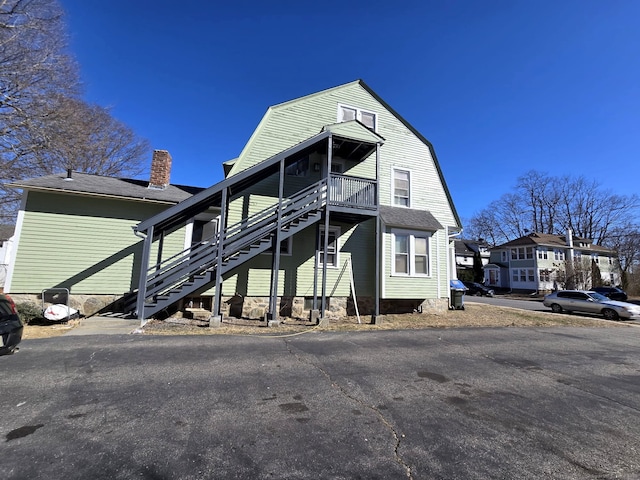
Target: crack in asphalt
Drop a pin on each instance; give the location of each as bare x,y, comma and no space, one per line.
397,437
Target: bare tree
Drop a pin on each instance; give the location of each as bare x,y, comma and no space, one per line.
545,204
88,139
625,240
44,125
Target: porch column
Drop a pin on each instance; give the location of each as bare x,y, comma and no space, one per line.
142,281
326,229
376,311
272,315
215,314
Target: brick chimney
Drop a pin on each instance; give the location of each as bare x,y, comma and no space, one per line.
160,169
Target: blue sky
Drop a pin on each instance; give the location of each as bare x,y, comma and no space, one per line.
499,87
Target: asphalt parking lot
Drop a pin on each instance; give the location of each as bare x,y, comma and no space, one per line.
508,403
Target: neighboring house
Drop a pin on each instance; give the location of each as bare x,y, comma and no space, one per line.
6,247
330,187
544,262
466,251
74,232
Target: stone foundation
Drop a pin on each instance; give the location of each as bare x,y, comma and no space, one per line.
337,307
85,304
257,307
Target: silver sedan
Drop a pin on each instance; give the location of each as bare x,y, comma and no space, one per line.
590,302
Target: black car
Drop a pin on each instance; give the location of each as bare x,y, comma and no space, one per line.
11,326
475,288
611,292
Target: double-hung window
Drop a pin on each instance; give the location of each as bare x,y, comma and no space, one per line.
401,187
368,119
410,253
332,250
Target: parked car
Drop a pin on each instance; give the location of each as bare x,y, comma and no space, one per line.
475,288
590,302
11,325
613,293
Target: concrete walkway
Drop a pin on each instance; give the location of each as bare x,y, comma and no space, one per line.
105,326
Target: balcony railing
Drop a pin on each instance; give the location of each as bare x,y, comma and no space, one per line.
353,192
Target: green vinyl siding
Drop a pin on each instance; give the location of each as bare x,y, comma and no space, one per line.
292,122
435,285
297,270
82,243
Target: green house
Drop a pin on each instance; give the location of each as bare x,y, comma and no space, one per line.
336,205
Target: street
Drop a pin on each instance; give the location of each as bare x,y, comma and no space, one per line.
508,403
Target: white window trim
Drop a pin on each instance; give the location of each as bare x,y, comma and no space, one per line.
188,232
393,188
337,232
412,234
359,112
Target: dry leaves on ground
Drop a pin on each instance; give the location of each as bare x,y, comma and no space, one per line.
474,316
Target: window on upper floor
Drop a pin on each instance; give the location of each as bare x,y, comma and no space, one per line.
542,254
367,118
401,187
410,253
558,254
300,168
521,253
595,258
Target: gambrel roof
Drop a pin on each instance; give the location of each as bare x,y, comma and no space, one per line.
278,141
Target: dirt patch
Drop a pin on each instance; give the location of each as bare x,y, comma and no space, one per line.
474,316
44,329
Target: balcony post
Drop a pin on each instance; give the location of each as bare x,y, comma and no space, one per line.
142,281
272,314
215,314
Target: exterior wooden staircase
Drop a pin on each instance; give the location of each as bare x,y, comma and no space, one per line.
200,268
194,270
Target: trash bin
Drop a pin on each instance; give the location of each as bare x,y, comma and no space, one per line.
457,294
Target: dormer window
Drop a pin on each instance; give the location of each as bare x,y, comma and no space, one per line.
346,113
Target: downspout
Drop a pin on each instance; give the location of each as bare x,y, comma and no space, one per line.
452,272
17,234
452,256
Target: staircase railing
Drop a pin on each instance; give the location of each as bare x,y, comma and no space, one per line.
233,243
352,192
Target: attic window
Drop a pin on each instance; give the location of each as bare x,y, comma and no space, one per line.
367,118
